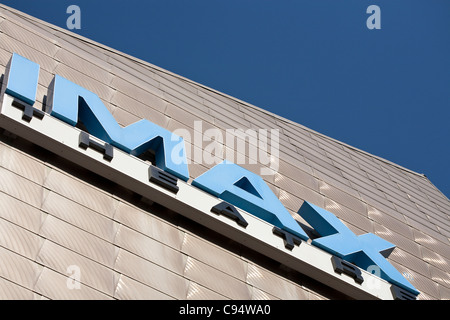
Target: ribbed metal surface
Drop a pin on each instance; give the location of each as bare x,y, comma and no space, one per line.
20,213
19,240
130,289
268,282
150,250
198,292
64,261
54,286
73,74
81,193
28,37
216,280
79,241
149,226
11,45
21,188
11,291
18,269
51,219
151,274
79,216
215,257
85,67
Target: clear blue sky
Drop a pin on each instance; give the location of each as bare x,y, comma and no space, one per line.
384,91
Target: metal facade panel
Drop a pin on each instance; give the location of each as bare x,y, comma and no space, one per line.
152,275
150,249
11,291
130,289
187,118
356,219
54,285
274,284
152,110
216,280
35,40
142,95
19,240
23,165
19,269
84,66
99,88
65,262
81,193
80,216
79,241
11,45
149,225
20,213
123,117
215,257
21,188
198,292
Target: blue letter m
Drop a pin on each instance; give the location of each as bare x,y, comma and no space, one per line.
72,103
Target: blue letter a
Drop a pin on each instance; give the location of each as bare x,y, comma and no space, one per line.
248,191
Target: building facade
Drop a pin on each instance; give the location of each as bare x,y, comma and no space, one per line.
89,213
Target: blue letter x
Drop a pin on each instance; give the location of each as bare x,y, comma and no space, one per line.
364,250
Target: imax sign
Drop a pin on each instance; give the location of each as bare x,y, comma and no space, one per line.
226,190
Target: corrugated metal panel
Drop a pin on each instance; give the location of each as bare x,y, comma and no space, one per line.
18,269
34,40
11,45
23,165
67,262
351,217
20,213
198,292
150,249
274,284
84,66
81,193
103,91
151,110
55,286
151,274
11,291
148,225
216,280
130,289
214,256
384,219
21,188
80,216
19,240
79,241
